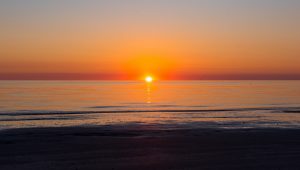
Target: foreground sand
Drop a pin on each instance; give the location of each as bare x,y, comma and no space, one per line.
148,147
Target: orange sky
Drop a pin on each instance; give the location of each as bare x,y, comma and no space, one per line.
168,39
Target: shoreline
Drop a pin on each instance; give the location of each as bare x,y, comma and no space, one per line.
149,147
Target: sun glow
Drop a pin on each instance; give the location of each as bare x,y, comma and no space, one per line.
148,79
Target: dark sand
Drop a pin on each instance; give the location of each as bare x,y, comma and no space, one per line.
144,147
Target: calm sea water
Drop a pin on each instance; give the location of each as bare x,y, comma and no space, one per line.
171,104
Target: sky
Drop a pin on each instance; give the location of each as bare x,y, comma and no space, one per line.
168,39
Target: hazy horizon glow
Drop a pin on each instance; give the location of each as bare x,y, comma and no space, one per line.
169,39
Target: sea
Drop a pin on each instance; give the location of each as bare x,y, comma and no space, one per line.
167,104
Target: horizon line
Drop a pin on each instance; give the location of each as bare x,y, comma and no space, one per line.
119,77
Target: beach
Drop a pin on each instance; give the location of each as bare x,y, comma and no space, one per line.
149,147
60,125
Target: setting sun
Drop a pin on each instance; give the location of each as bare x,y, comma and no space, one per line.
148,79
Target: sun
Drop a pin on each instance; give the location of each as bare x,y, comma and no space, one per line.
148,79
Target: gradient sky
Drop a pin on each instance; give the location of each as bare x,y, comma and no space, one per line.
170,39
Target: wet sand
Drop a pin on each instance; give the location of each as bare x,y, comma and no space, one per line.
148,147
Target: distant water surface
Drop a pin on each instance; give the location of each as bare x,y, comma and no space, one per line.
171,104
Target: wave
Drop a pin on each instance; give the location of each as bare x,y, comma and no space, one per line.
38,119
33,113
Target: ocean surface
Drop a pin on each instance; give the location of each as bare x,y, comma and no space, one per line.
169,104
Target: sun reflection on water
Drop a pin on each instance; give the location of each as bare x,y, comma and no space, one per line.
148,93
